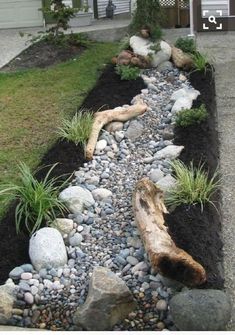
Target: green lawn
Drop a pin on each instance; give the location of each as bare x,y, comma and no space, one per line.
33,102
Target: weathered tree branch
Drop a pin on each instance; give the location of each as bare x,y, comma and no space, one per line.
105,117
164,255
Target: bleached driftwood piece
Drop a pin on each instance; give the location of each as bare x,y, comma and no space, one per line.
107,116
165,257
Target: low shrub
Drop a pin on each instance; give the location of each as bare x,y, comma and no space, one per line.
77,129
189,117
193,185
37,200
186,44
127,72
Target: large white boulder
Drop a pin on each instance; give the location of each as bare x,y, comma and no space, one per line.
185,92
77,198
182,103
141,46
47,249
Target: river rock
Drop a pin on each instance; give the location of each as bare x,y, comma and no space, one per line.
100,194
202,310
171,152
47,249
77,198
16,273
75,240
134,130
167,183
109,301
64,226
165,66
114,126
100,146
6,303
155,175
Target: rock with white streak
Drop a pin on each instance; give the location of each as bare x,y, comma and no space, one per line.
47,249
171,152
77,198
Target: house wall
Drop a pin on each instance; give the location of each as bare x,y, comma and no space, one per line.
213,5
122,6
228,22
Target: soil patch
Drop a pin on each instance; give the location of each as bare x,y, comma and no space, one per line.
199,233
42,55
109,91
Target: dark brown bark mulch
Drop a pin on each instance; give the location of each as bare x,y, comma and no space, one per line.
43,54
197,232
110,92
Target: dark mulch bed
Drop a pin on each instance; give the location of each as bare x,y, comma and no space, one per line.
109,91
43,54
196,232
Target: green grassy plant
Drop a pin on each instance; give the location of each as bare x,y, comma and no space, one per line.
37,200
188,117
193,185
186,44
200,62
127,72
77,129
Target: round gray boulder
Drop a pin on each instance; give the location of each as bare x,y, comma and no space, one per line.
201,310
47,249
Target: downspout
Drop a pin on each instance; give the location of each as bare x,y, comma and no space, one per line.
191,16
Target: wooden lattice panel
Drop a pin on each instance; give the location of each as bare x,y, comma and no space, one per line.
168,3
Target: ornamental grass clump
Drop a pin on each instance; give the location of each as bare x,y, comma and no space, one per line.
78,129
201,62
193,185
37,201
193,116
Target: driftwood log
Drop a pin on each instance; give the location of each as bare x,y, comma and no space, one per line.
165,257
107,116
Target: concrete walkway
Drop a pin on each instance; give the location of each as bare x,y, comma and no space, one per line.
222,47
12,44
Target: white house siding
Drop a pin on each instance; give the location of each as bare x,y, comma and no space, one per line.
213,5
122,6
20,13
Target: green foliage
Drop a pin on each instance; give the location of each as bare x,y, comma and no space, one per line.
37,200
156,47
124,43
156,33
193,185
188,117
147,15
127,72
61,14
186,44
200,62
77,129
